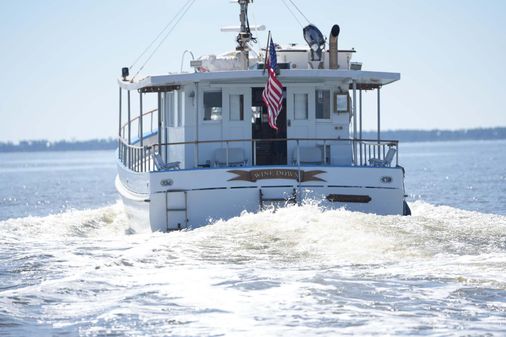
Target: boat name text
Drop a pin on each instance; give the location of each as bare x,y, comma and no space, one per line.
254,175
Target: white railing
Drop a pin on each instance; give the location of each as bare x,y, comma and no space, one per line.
148,119
370,152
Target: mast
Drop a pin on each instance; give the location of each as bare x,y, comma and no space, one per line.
244,36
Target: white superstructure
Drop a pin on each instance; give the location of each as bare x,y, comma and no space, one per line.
205,151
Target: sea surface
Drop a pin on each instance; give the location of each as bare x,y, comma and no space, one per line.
69,267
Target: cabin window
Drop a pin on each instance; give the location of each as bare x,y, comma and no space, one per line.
342,103
180,107
322,104
212,106
169,109
236,107
301,106
256,114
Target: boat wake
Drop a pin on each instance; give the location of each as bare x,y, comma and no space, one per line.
105,221
267,273
306,232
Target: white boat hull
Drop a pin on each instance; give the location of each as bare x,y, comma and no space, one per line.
178,199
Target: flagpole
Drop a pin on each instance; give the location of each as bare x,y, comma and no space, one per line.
267,51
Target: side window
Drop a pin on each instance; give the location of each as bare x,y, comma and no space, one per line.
342,103
236,107
212,106
180,107
301,106
256,114
322,104
169,109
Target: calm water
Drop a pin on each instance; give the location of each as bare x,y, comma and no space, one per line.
67,268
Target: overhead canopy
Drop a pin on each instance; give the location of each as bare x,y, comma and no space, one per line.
365,79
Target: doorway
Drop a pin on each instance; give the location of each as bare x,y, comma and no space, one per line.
272,152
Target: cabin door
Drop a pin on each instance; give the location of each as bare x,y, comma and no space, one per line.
236,117
301,116
269,150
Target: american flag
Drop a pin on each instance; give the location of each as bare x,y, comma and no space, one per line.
273,92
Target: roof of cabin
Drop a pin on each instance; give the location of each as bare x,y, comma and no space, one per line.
365,79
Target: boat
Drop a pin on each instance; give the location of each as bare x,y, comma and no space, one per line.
207,148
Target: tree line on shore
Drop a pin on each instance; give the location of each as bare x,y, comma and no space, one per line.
439,135
401,135
62,145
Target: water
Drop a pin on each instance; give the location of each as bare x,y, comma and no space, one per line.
468,175
46,183
67,268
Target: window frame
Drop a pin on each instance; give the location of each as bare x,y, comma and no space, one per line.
210,120
295,106
170,109
180,108
241,107
329,105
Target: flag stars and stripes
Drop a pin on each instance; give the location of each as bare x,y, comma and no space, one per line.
273,92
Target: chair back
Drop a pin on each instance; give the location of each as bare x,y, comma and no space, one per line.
390,156
158,161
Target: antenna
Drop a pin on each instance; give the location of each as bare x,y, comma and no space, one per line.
244,36
236,29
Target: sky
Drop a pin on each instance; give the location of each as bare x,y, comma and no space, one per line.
60,59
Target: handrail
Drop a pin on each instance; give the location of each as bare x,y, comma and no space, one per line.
141,158
365,141
125,142
137,117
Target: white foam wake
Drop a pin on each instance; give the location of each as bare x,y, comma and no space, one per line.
344,237
105,221
272,265
298,232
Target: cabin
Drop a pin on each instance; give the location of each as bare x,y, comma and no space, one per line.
215,117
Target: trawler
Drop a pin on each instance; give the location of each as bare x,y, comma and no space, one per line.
214,144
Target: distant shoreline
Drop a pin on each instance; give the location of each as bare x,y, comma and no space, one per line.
43,145
439,135
401,135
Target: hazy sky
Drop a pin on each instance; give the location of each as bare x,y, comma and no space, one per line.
60,59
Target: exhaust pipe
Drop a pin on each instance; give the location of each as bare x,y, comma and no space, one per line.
334,33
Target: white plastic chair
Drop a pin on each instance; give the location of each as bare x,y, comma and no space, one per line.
161,165
384,162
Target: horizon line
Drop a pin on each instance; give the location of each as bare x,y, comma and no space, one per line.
111,138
